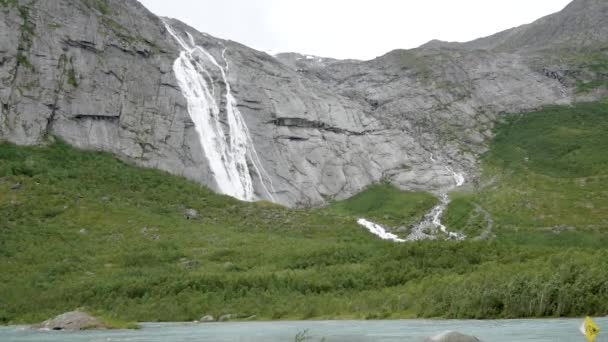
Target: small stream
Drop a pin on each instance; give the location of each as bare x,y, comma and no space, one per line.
431,222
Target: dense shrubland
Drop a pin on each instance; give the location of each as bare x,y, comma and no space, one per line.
81,229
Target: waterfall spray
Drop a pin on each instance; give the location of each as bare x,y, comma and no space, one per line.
230,153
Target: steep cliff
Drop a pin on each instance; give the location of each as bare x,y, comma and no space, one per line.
98,75
299,130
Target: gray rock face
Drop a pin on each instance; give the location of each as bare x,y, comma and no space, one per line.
100,78
73,320
99,75
452,336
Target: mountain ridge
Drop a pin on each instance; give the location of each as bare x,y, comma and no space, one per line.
584,18
324,129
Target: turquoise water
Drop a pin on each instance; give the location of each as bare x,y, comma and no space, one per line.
545,330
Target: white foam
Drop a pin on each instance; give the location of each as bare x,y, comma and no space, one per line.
458,177
379,230
433,217
583,328
228,153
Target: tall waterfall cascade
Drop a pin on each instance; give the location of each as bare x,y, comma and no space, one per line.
227,145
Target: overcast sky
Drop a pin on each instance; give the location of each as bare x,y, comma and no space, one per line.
361,29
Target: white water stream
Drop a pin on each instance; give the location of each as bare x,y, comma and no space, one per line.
379,230
431,219
230,153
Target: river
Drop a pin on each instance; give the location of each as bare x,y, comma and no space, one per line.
541,330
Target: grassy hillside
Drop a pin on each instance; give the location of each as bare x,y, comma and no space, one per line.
546,171
384,204
86,230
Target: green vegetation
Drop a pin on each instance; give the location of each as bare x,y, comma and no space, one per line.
594,61
24,61
112,26
386,205
100,5
85,230
27,31
103,7
587,69
587,86
8,3
545,188
71,74
546,170
596,64
416,61
111,322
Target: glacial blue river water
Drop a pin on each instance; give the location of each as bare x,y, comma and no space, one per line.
542,330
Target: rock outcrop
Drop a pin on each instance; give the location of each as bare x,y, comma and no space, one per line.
207,319
73,320
452,336
100,75
191,214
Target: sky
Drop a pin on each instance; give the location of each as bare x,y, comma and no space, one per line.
359,29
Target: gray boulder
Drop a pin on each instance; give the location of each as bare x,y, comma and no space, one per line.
227,317
207,319
73,320
191,214
452,336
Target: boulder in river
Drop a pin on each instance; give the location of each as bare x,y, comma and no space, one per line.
227,317
73,320
207,319
452,336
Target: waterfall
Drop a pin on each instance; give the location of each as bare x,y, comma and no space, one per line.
458,177
229,153
433,218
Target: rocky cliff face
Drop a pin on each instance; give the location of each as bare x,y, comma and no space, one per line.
98,75
101,75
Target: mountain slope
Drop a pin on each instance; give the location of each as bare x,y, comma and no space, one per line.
546,171
81,229
582,24
101,75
